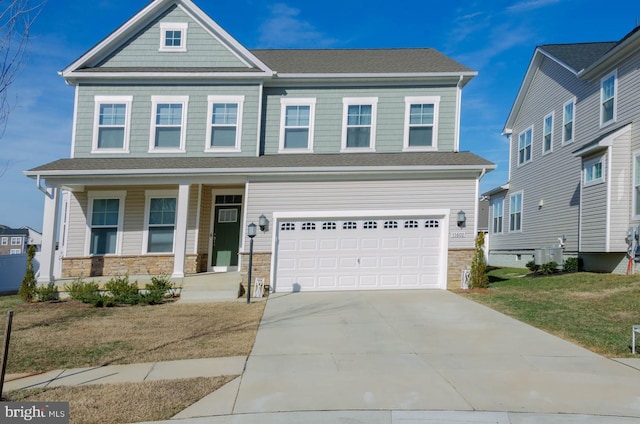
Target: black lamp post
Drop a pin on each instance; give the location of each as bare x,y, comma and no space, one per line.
251,232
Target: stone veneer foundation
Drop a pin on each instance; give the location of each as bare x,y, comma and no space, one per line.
96,266
261,269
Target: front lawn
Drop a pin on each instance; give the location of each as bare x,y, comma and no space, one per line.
592,310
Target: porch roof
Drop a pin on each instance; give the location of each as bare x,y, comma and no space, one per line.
293,163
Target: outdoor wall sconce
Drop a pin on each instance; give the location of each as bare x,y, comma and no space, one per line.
251,232
262,223
462,219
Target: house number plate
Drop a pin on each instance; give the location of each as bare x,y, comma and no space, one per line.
457,235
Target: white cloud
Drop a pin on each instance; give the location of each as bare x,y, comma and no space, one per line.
284,28
525,6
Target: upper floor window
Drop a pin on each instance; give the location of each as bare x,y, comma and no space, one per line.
224,131
608,91
359,123
568,128
167,123
160,221
515,212
5,241
524,146
112,115
496,213
16,241
104,227
421,123
297,124
173,36
593,171
547,134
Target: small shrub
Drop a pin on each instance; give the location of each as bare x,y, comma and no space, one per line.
28,285
478,277
548,268
86,292
123,291
159,287
572,264
531,266
46,293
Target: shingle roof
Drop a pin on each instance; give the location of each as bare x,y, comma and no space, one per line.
355,61
13,231
264,163
579,56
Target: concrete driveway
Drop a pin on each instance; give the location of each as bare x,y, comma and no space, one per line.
421,350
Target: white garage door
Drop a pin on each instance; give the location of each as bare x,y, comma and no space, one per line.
352,254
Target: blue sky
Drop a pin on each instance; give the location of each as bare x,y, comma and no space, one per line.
495,38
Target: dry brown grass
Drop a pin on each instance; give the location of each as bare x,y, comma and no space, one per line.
70,334
127,402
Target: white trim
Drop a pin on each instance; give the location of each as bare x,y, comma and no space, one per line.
75,122
198,212
100,194
215,99
180,239
635,214
408,102
103,100
613,74
355,101
259,118
212,219
520,192
456,141
609,162
157,194
573,121
286,102
181,27
159,100
5,241
525,161
544,123
16,241
590,163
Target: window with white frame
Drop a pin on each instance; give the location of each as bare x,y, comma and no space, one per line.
636,185
547,134
297,118
515,212
524,146
5,241
112,115
224,131
104,225
359,123
568,117
593,171
173,36
16,241
168,123
15,251
421,123
497,209
160,219
608,91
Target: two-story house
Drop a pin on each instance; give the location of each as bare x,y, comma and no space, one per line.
574,174
182,137
13,241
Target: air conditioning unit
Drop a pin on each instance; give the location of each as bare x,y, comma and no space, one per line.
544,255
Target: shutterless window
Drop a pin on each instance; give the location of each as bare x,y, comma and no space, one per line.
524,146
15,252
173,36
162,219
111,123
547,134
5,241
16,241
496,213
421,118
296,127
359,117
608,99
515,212
567,122
168,121
104,226
593,171
224,124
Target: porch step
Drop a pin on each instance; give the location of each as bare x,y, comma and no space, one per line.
210,287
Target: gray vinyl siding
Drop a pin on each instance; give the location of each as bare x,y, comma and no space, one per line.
77,228
141,115
454,195
329,110
621,193
203,49
594,214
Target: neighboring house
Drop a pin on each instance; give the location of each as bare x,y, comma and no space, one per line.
182,137
574,177
13,241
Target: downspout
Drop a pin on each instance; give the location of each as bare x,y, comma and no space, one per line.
475,224
456,147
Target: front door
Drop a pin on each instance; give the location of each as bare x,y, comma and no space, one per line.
226,237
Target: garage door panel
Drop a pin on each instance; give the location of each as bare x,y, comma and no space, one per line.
307,264
390,261
368,243
349,244
328,264
348,262
390,243
330,245
308,245
369,261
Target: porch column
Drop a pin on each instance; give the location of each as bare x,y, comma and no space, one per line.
49,231
181,231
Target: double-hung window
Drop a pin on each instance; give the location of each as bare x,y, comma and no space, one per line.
104,227
608,89
5,241
224,130
112,115
15,251
593,171
568,117
173,36
524,146
160,220
547,134
515,212
359,123
421,123
168,122
16,241
296,125
497,207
